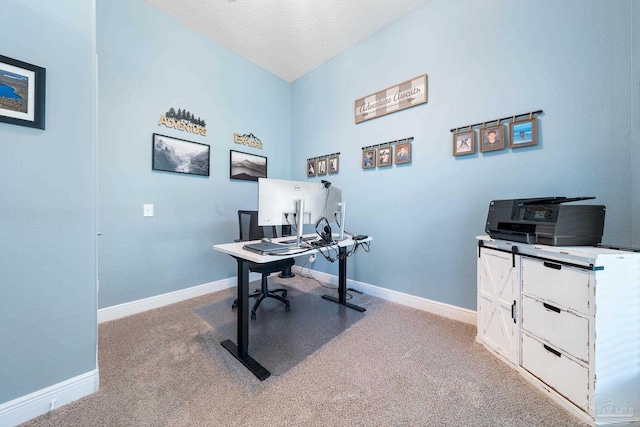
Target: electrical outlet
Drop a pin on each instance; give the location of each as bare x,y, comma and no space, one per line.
312,258
147,209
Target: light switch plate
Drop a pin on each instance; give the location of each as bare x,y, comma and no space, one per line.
147,209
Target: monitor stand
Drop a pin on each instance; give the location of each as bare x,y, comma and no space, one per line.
343,216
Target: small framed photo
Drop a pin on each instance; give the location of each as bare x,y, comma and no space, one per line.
384,156
463,143
334,164
368,159
180,156
22,93
403,153
322,166
491,138
523,133
311,167
247,167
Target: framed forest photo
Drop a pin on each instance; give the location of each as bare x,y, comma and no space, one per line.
180,156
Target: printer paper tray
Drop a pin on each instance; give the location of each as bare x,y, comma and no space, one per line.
529,238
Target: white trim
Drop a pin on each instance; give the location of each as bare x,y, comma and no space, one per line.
134,307
441,309
33,405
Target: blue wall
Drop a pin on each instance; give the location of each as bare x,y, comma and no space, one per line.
485,60
149,63
573,59
48,204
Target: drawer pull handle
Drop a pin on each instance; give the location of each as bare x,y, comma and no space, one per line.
550,350
551,308
553,265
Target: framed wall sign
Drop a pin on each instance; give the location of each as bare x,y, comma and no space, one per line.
247,167
395,98
180,156
22,93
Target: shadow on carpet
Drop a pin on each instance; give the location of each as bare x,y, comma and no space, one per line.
279,340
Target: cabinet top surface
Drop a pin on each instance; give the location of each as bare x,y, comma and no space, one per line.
577,251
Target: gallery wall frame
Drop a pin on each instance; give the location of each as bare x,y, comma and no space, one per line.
311,167
171,154
402,153
491,138
334,164
384,155
464,143
22,93
523,133
321,166
369,158
247,166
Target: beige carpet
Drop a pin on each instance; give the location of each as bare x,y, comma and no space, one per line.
394,367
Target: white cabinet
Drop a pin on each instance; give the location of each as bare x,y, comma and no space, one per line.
568,319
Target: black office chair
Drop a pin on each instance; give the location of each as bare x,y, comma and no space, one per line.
250,230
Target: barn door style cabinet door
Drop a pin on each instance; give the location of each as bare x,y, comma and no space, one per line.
568,319
498,307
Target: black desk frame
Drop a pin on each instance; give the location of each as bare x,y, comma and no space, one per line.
241,350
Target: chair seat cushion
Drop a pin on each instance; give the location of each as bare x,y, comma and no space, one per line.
270,267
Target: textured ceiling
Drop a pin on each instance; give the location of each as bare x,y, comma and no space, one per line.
287,37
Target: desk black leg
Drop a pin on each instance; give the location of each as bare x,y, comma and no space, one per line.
342,283
241,350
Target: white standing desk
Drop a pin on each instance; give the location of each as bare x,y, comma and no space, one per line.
240,350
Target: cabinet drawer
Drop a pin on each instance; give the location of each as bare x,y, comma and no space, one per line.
553,367
556,283
560,328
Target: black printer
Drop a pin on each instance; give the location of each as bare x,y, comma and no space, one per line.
547,221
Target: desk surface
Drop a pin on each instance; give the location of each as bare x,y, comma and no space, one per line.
235,249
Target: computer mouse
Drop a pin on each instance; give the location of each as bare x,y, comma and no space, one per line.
265,239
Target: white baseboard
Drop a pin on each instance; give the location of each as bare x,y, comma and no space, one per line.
441,309
424,304
42,401
134,307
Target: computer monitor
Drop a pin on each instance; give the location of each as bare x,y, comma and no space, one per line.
286,202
